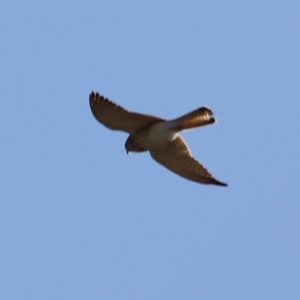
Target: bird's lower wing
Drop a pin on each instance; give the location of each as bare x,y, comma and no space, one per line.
176,157
116,117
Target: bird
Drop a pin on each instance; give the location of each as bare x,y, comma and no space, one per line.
158,136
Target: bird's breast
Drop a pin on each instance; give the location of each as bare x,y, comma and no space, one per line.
156,136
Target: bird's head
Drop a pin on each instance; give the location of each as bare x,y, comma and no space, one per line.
132,146
128,145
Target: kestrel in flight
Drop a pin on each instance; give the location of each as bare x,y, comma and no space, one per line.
158,136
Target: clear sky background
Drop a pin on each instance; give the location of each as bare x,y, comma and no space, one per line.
80,219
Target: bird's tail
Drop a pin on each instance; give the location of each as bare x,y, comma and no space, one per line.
199,117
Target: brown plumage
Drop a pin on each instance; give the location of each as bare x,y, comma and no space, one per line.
158,136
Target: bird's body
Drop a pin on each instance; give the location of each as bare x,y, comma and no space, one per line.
158,136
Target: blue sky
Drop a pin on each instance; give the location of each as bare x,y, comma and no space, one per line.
80,219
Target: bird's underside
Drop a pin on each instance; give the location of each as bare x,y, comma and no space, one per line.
158,136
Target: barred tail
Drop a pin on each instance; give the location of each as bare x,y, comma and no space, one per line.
199,117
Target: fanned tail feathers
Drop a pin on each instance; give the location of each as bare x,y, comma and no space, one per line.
199,117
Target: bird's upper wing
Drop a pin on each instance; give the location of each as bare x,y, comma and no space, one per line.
116,117
176,157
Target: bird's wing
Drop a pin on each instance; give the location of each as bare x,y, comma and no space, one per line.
116,117
176,157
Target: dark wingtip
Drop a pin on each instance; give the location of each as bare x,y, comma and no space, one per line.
92,97
217,182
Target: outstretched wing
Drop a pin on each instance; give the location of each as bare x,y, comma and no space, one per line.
116,117
176,157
